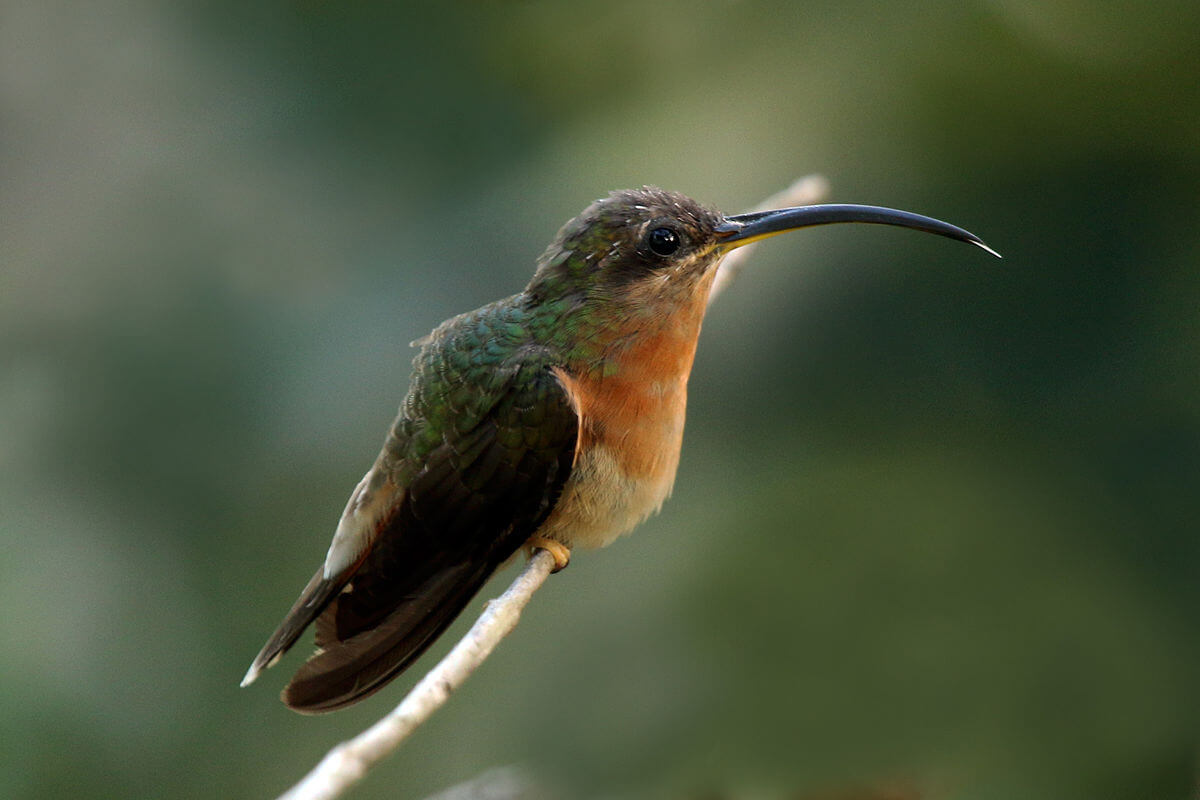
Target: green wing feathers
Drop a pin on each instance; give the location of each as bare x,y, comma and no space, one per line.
479,455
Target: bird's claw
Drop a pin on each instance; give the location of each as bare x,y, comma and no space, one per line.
560,552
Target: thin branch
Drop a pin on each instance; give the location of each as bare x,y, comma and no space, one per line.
348,762
498,783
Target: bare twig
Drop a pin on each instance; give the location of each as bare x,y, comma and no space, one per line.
348,762
499,783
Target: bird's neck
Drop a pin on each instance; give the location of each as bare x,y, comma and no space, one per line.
651,337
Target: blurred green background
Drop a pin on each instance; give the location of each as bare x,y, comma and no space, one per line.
935,519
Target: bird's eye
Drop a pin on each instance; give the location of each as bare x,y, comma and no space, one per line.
663,241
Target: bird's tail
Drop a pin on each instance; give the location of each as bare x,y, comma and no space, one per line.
312,601
344,671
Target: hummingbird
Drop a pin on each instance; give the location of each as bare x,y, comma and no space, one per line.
551,419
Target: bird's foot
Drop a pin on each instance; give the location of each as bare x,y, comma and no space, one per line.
561,553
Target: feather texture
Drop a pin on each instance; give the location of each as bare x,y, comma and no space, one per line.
473,465
557,412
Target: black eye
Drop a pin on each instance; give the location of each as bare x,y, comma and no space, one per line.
663,241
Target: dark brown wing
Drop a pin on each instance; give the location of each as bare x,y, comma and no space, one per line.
476,498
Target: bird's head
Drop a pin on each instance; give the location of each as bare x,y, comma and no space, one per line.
651,250
637,242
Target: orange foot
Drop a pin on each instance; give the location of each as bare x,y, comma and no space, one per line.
561,553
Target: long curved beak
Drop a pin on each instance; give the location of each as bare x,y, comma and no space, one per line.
743,229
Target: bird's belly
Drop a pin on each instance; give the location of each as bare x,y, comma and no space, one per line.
630,432
623,474
604,501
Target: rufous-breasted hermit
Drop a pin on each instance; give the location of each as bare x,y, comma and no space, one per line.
550,419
